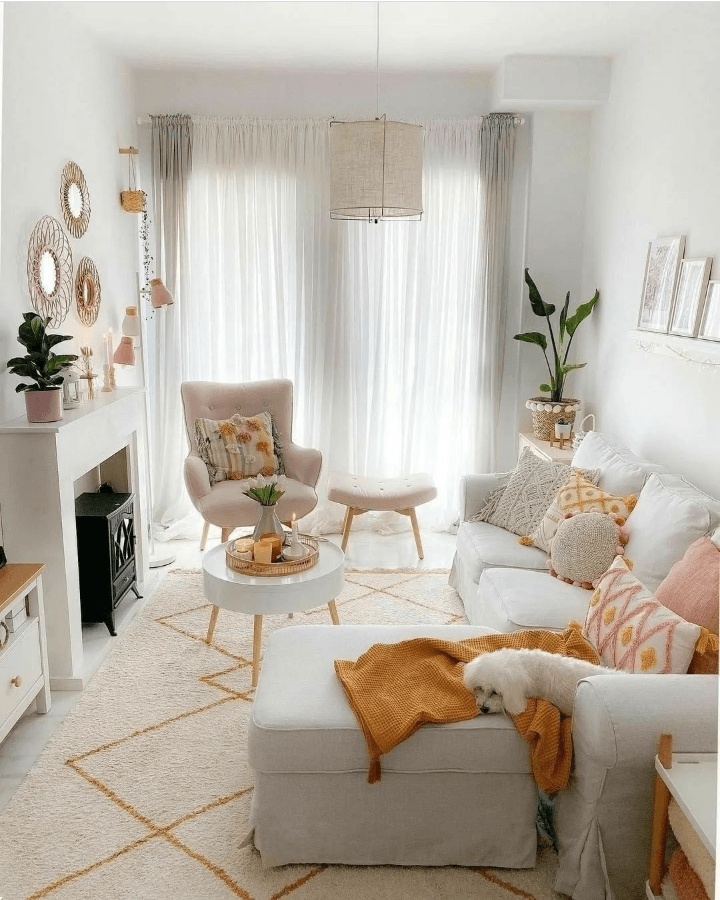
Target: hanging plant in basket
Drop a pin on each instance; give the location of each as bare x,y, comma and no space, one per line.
547,410
132,200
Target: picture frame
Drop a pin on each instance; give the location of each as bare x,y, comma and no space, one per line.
689,295
710,325
661,272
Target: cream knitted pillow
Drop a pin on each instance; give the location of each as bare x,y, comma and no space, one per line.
237,448
585,546
529,492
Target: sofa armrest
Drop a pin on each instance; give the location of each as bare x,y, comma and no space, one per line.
474,490
302,463
618,720
197,480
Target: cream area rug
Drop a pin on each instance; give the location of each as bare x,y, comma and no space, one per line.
144,791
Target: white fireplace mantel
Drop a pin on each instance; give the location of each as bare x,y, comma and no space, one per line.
40,464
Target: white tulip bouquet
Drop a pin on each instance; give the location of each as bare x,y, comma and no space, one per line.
266,491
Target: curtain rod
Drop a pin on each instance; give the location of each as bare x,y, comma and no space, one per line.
146,120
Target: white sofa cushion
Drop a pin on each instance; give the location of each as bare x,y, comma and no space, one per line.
670,515
621,471
518,599
302,722
482,545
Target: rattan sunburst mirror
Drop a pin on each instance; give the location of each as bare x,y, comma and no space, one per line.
87,291
49,270
75,200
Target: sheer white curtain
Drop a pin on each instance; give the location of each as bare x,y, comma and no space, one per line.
382,328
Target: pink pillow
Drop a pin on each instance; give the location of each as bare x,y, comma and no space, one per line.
691,589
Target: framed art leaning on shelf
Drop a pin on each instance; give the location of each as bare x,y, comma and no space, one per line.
661,271
691,288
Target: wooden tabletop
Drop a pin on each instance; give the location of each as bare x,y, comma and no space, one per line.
15,578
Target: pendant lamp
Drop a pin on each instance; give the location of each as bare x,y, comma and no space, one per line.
376,166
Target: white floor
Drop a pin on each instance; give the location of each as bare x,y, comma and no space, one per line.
26,741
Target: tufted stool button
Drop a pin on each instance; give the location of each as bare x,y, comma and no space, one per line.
265,405
211,407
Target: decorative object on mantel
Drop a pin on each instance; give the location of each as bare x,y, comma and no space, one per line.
132,200
547,411
266,492
87,291
108,367
710,326
72,395
75,200
692,285
43,400
125,353
131,323
88,374
376,167
661,272
49,270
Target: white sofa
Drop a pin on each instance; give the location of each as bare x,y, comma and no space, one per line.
603,818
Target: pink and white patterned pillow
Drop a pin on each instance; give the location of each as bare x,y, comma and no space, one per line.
632,631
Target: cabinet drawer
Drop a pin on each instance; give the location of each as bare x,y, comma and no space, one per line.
20,660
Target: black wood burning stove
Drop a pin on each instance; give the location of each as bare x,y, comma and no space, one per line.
106,554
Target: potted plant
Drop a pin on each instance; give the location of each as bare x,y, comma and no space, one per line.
547,410
43,399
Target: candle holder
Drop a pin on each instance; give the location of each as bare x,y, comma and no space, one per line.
108,378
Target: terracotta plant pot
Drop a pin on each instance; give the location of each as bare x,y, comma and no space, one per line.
44,406
545,414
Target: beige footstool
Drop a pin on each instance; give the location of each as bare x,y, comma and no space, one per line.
361,495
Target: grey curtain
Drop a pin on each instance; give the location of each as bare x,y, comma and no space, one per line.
171,168
497,152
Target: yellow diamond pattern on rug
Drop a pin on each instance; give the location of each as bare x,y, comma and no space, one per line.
144,791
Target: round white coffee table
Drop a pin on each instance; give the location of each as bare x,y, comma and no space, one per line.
271,596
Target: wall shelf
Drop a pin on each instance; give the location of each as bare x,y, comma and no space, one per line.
695,351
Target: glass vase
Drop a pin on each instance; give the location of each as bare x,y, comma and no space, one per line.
268,523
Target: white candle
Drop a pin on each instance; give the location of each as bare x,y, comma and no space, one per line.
294,529
107,354
110,347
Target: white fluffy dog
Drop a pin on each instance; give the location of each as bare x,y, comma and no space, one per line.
504,680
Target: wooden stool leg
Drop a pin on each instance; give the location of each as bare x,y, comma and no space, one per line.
661,799
416,532
203,539
213,622
346,527
225,537
333,613
257,643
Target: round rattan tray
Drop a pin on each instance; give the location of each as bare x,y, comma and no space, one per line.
270,570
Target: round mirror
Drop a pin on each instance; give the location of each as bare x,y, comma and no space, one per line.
75,200
48,272
87,291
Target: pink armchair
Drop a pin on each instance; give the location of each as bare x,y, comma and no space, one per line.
224,504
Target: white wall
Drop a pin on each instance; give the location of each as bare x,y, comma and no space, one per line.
64,98
654,171
555,226
281,93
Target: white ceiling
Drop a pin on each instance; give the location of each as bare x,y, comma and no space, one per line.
440,36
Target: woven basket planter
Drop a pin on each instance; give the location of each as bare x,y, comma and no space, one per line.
133,201
546,414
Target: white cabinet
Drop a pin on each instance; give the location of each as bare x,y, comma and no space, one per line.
23,657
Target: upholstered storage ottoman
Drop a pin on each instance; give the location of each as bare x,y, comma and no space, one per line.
458,794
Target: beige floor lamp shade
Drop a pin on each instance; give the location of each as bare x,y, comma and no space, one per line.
376,170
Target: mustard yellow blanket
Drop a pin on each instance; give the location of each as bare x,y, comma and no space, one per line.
394,689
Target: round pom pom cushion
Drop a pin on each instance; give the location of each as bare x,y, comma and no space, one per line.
585,546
